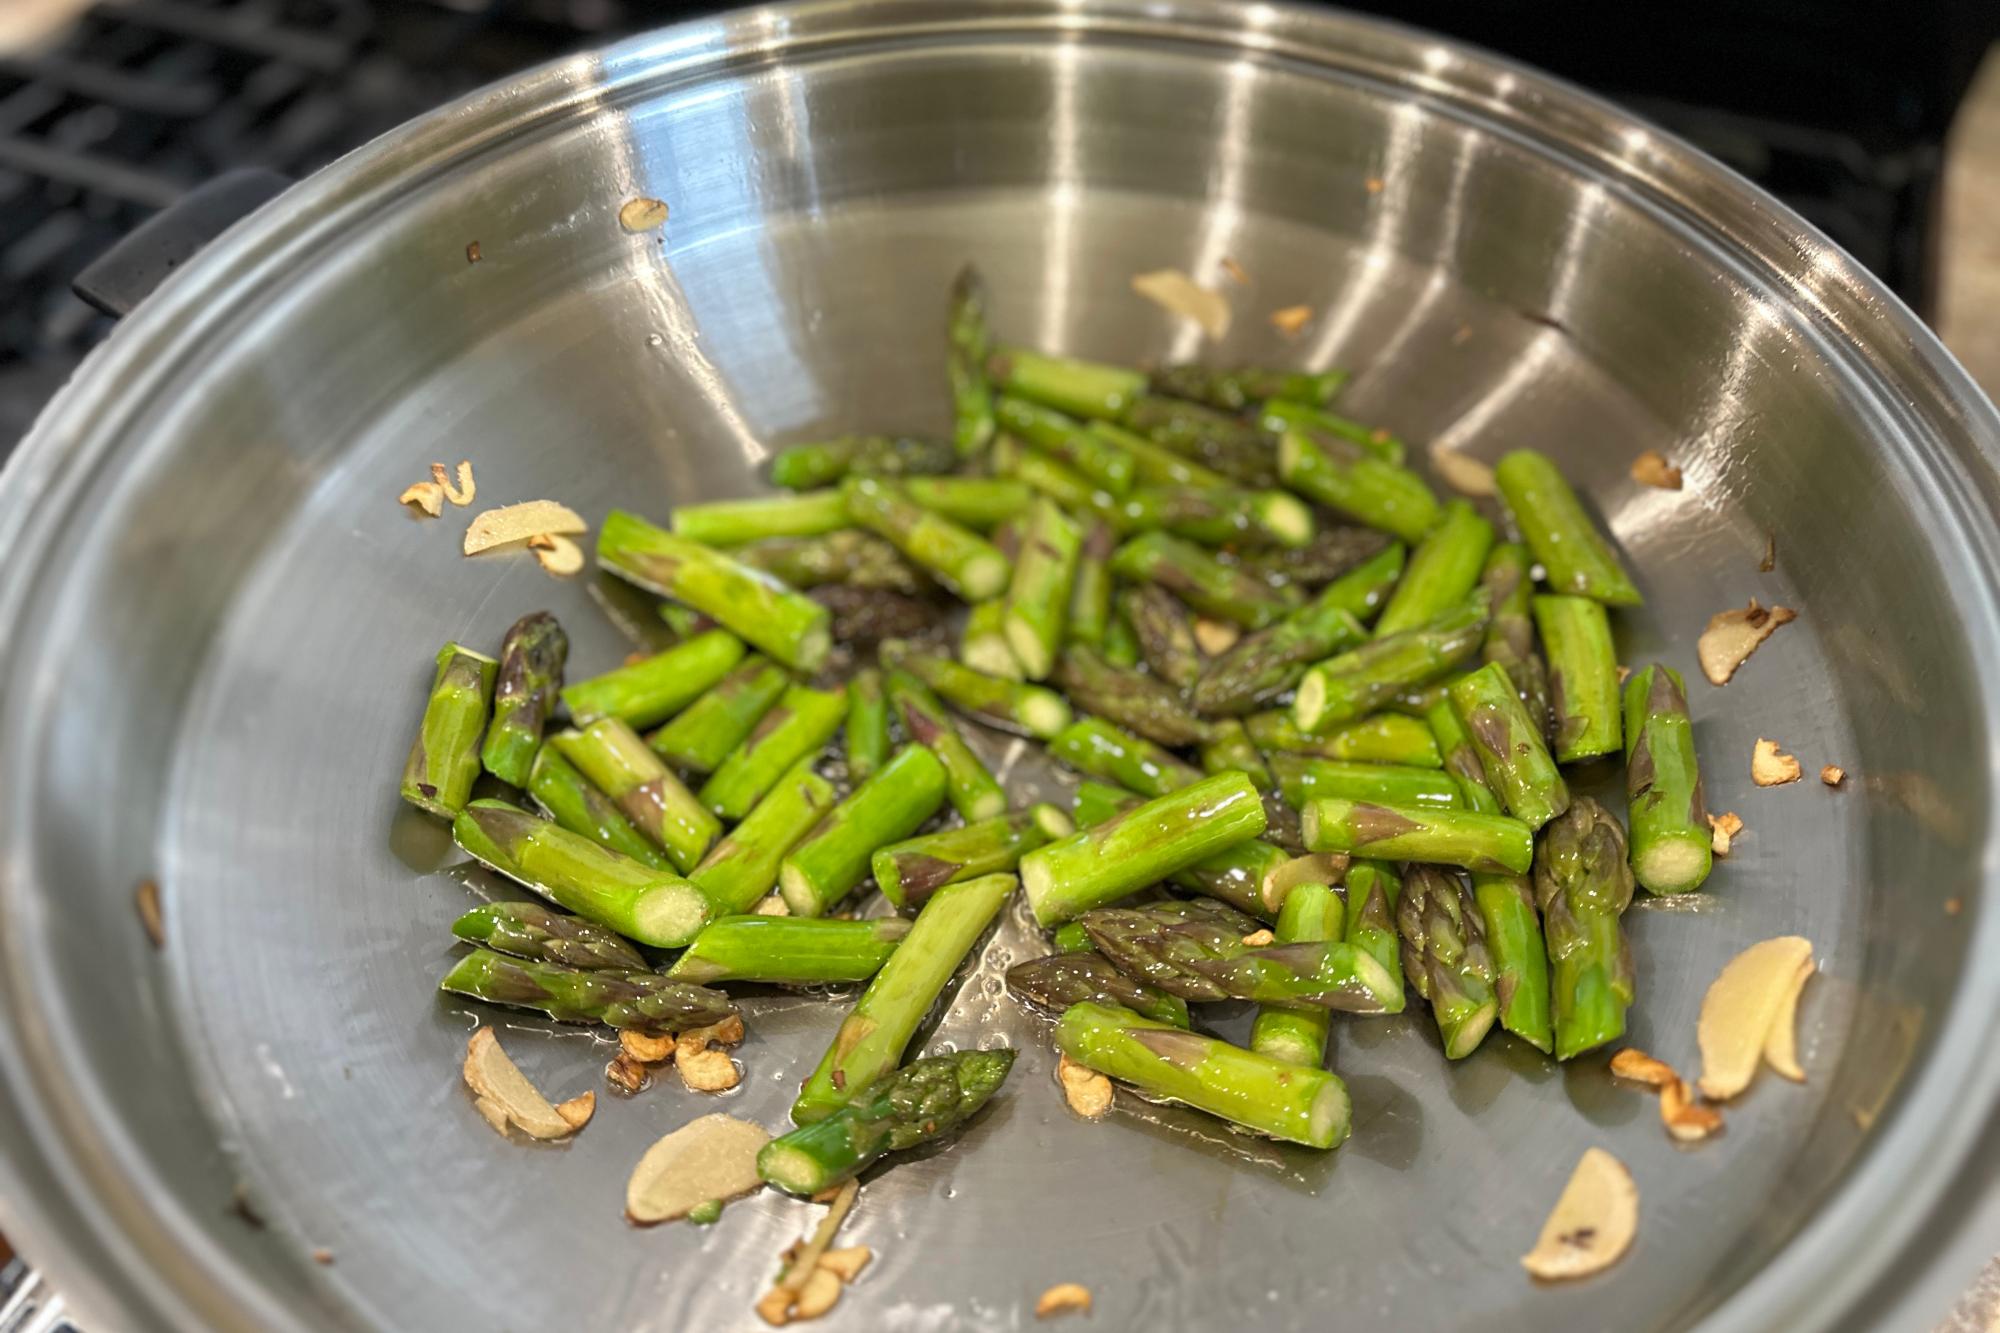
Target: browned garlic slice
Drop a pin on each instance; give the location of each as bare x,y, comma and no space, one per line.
495,1079
518,522
1592,1224
1733,635
711,1157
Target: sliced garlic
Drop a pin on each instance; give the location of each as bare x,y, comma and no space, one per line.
1592,1224
1740,1008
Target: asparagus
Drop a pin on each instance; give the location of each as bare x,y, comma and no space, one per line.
544,935
959,558
716,723
1418,833
1244,876
1343,476
802,467
1062,979
887,808
1303,778
1055,479
967,345
1152,464
1165,835
982,644
1443,570
1229,746
1365,561
1234,390
1583,885
1080,388
868,615
909,872
1316,423
1552,520
1199,579
923,1102
1144,705
529,677
867,725
743,867
1385,738
788,951
1236,449
1090,589
1365,678
1073,938
651,906
1312,912
1099,749
980,503
612,756
1219,515
444,760
850,558
1583,677
1518,767
870,1041
682,622
1167,911
1066,440
1308,1106
1164,631
1373,892
1670,833
971,788
736,522
1510,636
1467,775
655,688
1261,666
788,625
1205,960
574,804
797,726
636,1001
1121,641
1445,958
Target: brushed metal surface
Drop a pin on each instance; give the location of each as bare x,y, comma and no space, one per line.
218,625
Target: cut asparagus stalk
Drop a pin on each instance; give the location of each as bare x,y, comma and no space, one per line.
1247,876
1038,597
1165,633
788,625
1149,843
1073,938
1153,465
1344,476
736,522
1095,747
568,798
655,688
1315,422
1312,912
909,872
1583,677
1142,704
849,559
741,869
788,951
1386,738
1121,642
1053,478
716,723
1199,579
867,725
1229,747
979,503
959,558
1236,449
1219,516
1066,440
527,683
639,902
617,762
1365,561
982,645
804,467
544,935
635,1001
1080,388
444,761
797,726
1234,390
1090,590
967,345
1443,570
1462,765
1308,1106
1204,960
1583,887
1262,666
1373,892
1304,778
870,1041
1670,834
1510,636
1445,958
1517,766
1418,833
1576,556
927,1100
973,791
1011,705
1365,678
1062,979
887,808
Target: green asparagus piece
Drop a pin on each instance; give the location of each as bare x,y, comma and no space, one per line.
537,932
1199,579
1219,516
1080,388
1097,748
1066,440
617,762
1142,704
1367,563
1167,834
736,522
1121,641
637,1001
716,723
1510,636
1418,833
1364,679
1244,876
1028,710
979,503
1038,597
867,725
529,678
803,467
655,688
909,872
1261,666
1443,570
651,906
887,808
1155,465
1312,912
1229,747
972,789
1373,892
802,721
1236,449
1171,910
1583,677
1090,590
444,761
1418,700
1552,519
1308,1106
850,558
1164,631
1344,476
982,645
967,345
574,804
743,867
1518,767
1055,479
1073,938
1315,422
870,1041
682,622
1304,778
788,625
1204,960
1234,390
1583,886
1062,979
869,615
1385,738
1670,832
959,558
1445,958
788,951
1462,765
923,1102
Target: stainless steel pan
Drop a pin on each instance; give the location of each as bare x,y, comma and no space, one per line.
218,623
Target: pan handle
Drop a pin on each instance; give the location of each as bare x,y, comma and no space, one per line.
126,274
